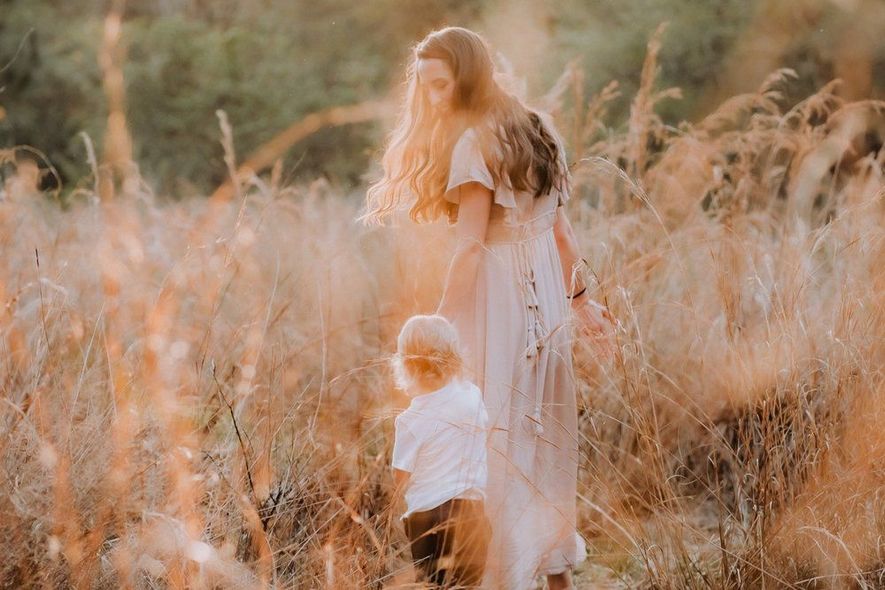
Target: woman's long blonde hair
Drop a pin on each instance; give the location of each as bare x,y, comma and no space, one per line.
419,149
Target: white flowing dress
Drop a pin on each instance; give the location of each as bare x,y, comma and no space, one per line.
518,349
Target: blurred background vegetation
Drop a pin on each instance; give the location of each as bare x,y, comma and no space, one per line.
193,388
269,63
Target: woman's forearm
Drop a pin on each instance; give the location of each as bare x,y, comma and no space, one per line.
459,293
569,255
458,302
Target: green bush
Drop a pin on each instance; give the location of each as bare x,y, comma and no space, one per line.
269,64
266,68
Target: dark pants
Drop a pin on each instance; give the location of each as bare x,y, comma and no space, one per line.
449,543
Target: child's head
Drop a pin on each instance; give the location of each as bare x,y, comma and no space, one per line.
427,353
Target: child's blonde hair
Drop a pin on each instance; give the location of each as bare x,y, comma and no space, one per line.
427,348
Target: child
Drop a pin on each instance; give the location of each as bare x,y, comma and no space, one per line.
439,455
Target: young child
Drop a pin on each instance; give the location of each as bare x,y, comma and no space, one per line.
439,455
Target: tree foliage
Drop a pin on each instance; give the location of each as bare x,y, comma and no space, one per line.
270,63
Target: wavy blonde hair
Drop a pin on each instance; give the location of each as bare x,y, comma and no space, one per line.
419,148
426,349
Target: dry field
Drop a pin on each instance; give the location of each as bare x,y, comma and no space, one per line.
195,393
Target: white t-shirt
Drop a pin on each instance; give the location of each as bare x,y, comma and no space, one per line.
441,442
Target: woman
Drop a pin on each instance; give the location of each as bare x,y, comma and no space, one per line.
465,148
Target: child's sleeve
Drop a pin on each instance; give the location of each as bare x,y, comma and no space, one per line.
405,447
482,413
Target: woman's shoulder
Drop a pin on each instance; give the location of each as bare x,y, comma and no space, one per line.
477,145
483,137
469,141
478,130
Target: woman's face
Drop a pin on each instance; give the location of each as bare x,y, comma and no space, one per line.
437,80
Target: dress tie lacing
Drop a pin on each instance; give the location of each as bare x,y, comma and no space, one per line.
536,331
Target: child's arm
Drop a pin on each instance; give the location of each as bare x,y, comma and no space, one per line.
400,481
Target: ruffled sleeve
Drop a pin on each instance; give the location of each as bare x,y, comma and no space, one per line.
405,446
468,165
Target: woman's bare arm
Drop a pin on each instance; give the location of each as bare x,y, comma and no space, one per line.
593,318
458,299
569,252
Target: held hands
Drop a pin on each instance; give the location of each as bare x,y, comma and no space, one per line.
596,324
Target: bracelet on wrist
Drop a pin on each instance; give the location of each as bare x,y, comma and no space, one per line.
578,294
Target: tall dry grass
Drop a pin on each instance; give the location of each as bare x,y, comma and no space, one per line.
195,393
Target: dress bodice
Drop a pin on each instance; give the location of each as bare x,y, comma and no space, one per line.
514,213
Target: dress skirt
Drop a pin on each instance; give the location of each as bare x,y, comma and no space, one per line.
519,352
517,346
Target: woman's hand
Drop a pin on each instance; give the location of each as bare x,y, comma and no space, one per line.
596,324
594,321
